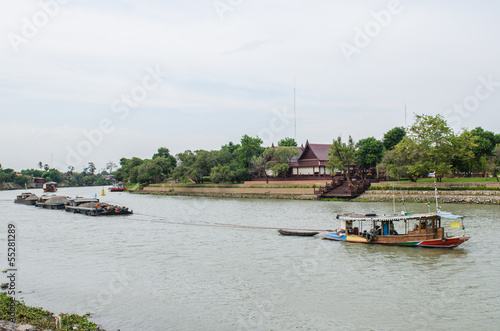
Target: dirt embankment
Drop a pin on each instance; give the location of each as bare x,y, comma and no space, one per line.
237,191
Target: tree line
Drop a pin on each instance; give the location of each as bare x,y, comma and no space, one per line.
429,146
89,176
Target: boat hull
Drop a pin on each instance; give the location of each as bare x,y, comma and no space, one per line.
298,233
451,242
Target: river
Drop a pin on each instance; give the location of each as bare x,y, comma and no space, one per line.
167,267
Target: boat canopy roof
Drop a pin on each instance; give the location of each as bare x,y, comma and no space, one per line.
381,218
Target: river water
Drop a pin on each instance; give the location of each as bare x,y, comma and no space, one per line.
168,268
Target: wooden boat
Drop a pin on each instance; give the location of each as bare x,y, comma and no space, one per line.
417,230
297,233
26,198
93,207
49,187
117,187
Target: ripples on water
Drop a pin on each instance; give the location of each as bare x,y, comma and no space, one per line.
140,272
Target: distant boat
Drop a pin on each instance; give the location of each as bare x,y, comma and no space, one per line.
117,187
49,187
297,233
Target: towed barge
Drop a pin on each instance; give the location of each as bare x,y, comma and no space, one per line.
92,207
52,202
26,198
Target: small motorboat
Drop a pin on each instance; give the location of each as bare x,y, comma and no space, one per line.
118,187
297,233
49,187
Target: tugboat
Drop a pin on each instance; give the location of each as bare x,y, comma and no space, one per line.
420,230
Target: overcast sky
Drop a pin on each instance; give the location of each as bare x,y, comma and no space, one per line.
99,80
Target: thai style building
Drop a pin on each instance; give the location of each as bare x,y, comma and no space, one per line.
313,161
311,164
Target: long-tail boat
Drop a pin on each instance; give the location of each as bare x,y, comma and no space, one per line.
417,230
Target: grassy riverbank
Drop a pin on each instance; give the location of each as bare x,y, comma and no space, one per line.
40,318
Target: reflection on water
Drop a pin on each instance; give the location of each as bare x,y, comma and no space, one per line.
154,271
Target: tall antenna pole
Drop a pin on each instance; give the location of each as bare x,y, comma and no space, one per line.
294,111
405,116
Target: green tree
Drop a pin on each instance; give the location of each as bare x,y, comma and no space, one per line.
435,139
110,166
128,170
494,162
222,173
149,172
249,148
464,157
287,142
258,167
40,165
393,137
165,152
195,166
91,168
279,159
341,156
22,180
369,153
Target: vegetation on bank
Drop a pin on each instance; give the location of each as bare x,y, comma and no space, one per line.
87,177
41,318
429,146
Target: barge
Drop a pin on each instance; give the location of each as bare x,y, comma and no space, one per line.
52,202
93,207
26,198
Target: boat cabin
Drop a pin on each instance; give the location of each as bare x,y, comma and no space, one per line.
391,228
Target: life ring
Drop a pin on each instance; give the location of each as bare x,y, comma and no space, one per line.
444,240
